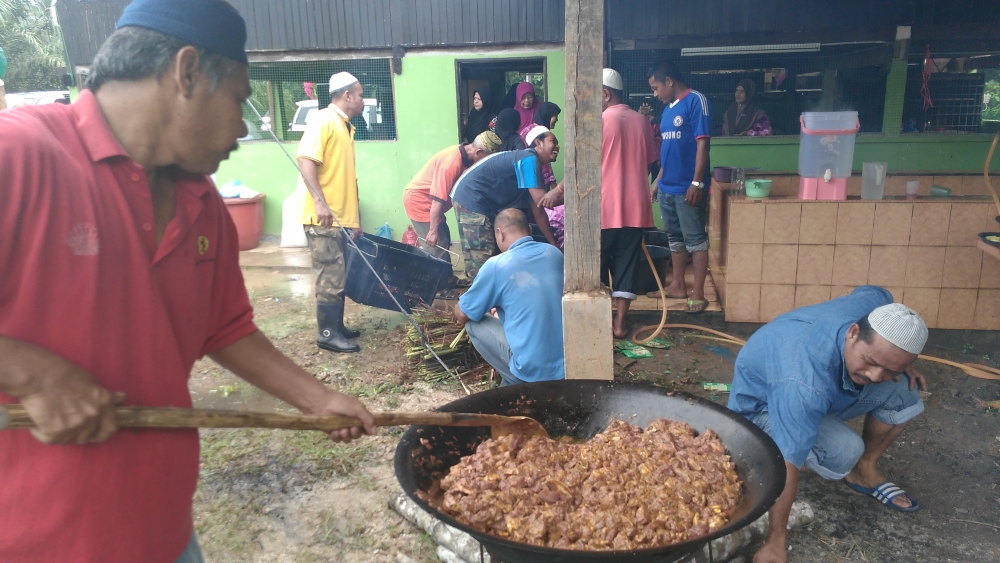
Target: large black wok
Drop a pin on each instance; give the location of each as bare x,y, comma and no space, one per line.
581,409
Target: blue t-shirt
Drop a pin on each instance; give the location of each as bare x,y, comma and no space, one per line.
525,284
497,182
683,123
793,369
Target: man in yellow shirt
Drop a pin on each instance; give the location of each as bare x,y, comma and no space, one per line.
326,158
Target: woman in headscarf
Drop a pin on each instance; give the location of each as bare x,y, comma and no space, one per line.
526,104
743,116
547,115
510,98
508,123
481,114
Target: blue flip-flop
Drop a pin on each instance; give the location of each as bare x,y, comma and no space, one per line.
884,493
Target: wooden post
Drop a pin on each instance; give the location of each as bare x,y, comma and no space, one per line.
278,117
270,106
586,307
895,86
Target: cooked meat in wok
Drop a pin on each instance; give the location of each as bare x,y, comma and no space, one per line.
624,489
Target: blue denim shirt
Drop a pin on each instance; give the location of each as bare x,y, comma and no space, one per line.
793,369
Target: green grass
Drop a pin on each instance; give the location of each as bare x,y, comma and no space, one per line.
329,458
222,449
428,545
367,390
227,525
344,536
279,326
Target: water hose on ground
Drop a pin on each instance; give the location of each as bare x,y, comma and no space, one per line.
663,319
975,370
986,172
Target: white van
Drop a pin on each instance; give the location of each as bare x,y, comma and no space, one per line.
307,108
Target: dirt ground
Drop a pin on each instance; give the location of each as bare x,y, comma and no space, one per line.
270,496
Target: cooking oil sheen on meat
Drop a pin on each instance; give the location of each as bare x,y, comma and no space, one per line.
624,489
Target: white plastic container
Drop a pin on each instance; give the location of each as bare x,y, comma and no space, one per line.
873,179
826,145
292,233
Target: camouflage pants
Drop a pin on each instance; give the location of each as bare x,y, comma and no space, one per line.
329,262
478,241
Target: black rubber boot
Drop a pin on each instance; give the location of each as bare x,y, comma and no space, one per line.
348,333
331,328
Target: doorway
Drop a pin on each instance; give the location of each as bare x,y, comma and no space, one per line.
499,75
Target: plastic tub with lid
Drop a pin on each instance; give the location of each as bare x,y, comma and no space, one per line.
827,143
248,214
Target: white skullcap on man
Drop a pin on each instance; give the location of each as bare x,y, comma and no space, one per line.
534,133
612,79
341,80
901,326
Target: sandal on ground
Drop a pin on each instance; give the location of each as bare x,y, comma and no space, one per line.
696,306
455,282
884,493
656,295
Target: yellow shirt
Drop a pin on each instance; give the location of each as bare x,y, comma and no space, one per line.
329,141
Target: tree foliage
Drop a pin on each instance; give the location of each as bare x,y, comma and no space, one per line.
991,96
33,46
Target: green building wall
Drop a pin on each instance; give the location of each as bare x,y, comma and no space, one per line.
426,122
426,109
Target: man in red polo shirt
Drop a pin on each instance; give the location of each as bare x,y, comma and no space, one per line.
119,270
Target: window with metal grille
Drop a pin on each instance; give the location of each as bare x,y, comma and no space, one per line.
789,79
287,93
962,95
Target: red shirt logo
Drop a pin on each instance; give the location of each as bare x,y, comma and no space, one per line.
83,240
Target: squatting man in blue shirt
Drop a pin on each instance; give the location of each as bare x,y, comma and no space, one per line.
524,284
801,375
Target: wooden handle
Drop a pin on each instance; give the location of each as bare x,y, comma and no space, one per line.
13,416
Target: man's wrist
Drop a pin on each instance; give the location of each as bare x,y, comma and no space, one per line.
28,368
318,400
698,185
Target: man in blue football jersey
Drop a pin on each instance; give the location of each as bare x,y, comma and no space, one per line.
682,185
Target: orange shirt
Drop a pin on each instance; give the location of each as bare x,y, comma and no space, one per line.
434,181
627,150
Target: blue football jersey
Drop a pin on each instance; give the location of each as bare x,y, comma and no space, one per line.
685,121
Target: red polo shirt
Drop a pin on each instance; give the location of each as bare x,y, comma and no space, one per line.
81,275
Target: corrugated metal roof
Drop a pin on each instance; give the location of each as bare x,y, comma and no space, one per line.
302,25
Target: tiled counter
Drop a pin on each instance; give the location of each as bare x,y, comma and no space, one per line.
771,255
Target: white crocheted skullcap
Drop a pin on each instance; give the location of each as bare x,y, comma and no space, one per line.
901,326
341,80
612,79
534,133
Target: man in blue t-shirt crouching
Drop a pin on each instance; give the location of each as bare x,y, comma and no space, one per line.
525,286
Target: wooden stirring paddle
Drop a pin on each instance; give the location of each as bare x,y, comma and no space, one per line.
13,416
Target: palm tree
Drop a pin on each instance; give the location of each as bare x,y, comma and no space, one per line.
33,46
